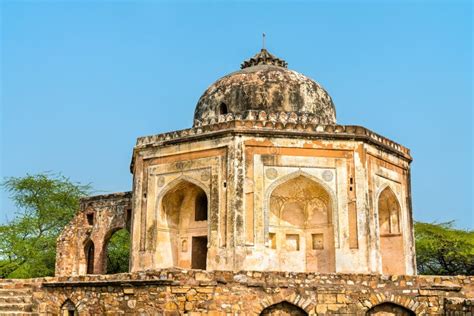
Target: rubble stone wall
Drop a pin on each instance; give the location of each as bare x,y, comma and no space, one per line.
195,292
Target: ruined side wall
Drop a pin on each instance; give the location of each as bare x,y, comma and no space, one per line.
174,292
97,219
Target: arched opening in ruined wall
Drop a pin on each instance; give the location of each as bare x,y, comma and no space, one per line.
68,308
300,226
89,253
391,239
117,251
389,309
182,236
283,309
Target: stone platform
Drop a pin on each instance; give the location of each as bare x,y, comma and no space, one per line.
196,292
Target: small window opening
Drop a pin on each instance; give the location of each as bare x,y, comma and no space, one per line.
225,184
223,109
200,207
351,180
90,218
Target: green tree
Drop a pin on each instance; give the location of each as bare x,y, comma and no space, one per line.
45,204
118,252
442,249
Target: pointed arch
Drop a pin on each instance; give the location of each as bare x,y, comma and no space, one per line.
182,217
68,308
281,180
89,254
299,218
391,244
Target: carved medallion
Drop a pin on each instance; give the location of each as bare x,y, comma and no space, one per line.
274,150
160,181
328,175
271,173
205,176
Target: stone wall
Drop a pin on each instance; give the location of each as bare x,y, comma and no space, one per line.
84,239
195,292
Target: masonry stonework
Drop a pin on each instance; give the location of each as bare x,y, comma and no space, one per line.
194,292
265,206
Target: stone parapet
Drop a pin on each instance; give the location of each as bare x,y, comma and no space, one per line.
196,292
288,124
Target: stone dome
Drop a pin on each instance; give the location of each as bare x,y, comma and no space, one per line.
264,83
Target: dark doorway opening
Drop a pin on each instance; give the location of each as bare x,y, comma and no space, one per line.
89,250
199,253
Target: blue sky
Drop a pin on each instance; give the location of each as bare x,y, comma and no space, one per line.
80,81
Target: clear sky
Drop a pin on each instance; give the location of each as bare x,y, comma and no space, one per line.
81,80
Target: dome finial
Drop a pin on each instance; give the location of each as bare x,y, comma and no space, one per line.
264,58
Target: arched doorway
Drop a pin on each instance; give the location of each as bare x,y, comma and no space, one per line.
391,239
89,253
182,224
283,309
300,226
389,309
117,252
68,308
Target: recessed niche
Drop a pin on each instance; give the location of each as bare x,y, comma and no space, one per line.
292,242
317,241
272,240
184,245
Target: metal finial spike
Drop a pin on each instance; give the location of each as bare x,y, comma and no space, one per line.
263,41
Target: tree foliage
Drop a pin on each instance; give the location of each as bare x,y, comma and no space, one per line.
442,249
118,252
45,204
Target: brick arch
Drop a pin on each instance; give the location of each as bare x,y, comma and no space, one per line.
403,301
283,308
389,308
303,302
67,308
